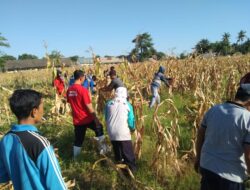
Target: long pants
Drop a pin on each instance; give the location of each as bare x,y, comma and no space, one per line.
155,96
212,181
80,132
124,153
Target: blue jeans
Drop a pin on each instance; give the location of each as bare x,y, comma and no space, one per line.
155,97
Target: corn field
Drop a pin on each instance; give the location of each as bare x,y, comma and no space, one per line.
159,142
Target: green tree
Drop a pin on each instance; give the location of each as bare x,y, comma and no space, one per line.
27,56
225,44
203,46
3,43
245,47
160,55
56,56
8,57
241,36
74,58
143,47
226,37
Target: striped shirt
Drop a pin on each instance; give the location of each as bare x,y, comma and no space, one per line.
28,160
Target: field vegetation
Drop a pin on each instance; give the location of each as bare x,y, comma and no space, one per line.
165,136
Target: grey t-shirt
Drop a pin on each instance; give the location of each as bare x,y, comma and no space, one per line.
116,83
227,129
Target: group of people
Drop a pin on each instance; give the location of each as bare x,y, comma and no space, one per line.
28,159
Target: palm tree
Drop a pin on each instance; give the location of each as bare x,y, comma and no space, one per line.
225,37
241,36
225,44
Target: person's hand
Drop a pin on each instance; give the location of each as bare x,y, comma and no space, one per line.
97,122
197,165
171,81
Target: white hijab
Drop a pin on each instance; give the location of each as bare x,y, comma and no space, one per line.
121,95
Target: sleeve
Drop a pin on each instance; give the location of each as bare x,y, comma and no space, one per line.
131,118
164,79
49,170
91,85
4,176
111,85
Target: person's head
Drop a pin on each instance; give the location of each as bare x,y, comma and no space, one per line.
58,73
243,92
27,104
112,68
79,76
112,74
121,92
94,78
162,69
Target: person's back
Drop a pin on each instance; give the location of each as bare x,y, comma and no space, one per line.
120,122
116,114
228,126
78,97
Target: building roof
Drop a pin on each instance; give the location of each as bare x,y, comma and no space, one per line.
32,64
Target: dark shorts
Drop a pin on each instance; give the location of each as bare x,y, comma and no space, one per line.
212,181
80,132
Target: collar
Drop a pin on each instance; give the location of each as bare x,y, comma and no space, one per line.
23,127
237,104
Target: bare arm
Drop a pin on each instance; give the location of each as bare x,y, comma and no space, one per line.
247,156
198,146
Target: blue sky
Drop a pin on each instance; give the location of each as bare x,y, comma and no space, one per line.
108,26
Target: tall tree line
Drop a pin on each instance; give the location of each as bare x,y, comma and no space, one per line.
224,46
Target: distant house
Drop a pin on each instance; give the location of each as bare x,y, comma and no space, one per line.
13,65
83,60
103,60
111,60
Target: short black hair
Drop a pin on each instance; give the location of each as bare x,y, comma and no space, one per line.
23,101
78,74
112,68
242,95
112,73
94,78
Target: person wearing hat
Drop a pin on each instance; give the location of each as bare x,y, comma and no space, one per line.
223,143
156,83
120,123
115,82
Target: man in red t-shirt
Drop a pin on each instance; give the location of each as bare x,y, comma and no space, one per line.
83,113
